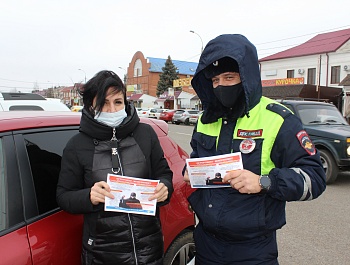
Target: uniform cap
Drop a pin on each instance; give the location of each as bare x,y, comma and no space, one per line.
225,64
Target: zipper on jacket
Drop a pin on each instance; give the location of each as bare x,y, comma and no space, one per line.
133,239
115,154
116,163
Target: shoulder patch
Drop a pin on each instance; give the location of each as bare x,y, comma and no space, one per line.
279,109
305,142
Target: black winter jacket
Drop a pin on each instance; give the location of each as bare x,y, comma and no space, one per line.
112,237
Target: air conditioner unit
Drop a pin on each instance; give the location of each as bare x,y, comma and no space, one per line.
301,71
346,67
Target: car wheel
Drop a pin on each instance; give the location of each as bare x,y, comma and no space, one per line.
181,251
329,166
187,122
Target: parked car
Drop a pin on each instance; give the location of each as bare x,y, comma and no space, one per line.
143,112
155,113
194,117
29,101
167,115
33,229
183,116
329,132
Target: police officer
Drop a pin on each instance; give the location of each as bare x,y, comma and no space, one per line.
237,225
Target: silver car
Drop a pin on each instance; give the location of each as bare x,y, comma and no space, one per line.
183,116
194,117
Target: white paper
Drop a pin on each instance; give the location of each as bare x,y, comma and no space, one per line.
122,188
202,171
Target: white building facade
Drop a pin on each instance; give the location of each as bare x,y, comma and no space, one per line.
322,61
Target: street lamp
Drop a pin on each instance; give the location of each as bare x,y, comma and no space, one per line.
84,73
125,75
199,37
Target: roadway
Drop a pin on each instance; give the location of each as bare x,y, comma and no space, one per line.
317,232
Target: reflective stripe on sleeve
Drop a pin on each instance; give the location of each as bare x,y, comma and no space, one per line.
307,184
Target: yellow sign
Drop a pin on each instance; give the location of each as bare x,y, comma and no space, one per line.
182,82
130,88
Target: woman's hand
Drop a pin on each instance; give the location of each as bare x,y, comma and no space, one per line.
99,191
160,193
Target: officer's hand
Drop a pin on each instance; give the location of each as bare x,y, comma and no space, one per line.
243,180
99,191
186,177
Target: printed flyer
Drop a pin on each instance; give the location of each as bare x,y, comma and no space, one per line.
208,172
131,195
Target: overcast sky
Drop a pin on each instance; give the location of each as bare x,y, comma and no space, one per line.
43,43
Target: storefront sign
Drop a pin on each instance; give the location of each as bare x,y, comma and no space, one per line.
130,88
283,82
182,82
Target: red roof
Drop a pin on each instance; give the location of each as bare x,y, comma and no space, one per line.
321,43
67,89
135,97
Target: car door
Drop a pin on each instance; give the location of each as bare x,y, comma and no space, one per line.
54,236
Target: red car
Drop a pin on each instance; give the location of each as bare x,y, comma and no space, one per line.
167,115
33,229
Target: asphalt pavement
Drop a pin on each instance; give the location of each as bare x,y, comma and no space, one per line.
318,231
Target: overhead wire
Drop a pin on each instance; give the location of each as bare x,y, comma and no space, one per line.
194,56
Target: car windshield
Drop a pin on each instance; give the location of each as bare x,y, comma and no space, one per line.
316,114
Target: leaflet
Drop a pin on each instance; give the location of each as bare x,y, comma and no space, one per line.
131,195
208,172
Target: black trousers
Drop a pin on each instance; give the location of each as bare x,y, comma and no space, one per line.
212,251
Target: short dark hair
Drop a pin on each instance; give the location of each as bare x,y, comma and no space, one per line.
218,174
98,86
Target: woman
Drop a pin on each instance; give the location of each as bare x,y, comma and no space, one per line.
112,140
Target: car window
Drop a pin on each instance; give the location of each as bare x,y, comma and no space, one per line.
3,190
25,107
11,208
316,114
45,161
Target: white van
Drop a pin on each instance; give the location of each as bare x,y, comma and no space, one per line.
28,101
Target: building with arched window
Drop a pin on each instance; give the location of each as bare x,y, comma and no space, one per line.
143,74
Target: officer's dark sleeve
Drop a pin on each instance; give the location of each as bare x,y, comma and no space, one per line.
299,174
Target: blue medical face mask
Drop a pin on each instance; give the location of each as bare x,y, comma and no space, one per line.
112,119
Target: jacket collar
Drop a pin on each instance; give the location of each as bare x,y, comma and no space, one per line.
99,131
